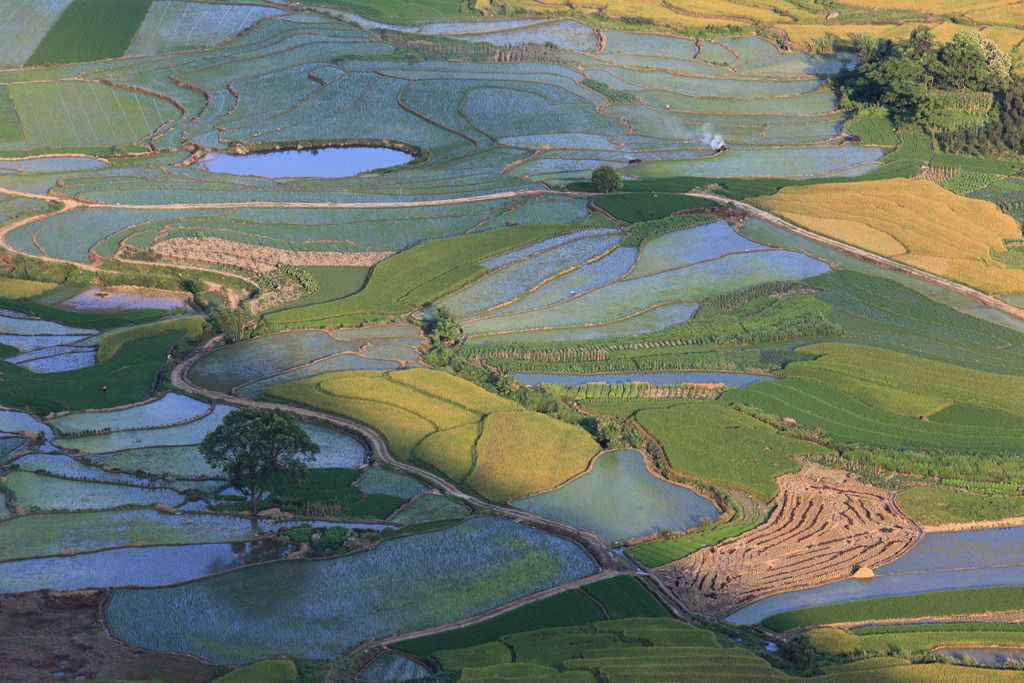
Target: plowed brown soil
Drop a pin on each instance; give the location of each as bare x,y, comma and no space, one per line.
823,528
44,632
259,259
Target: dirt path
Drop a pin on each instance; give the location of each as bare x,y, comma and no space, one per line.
608,563
70,203
869,257
594,544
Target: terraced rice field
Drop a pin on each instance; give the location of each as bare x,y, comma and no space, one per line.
45,346
473,437
173,26
940,562
820,531
393,588
772,110
590,288
252,367
914,222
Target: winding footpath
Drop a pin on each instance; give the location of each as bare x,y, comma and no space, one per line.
608,563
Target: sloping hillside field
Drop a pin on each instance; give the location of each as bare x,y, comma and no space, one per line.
496,340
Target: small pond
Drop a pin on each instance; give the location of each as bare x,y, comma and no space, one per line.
941,561
103,299
730,379
642,504
329,162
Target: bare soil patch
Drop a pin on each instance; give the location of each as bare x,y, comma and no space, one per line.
259,259
44,632
824,527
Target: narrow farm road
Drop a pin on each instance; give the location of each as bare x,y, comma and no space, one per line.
867,256
74,202
608,563
70,203
602,554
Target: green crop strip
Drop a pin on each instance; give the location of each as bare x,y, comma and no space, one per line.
941,603
90,30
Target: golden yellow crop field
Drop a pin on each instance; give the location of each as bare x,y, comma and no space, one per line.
434,418
524,452
1012,14
912,221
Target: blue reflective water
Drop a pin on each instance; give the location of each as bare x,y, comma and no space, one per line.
620,499
941,561
330,162
730,379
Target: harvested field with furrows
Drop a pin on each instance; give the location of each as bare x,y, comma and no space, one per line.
823,529
259,259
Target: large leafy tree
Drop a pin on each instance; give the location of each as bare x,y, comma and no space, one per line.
606,179
253,446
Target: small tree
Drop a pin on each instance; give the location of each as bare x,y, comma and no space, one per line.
606,179
253,445
445,330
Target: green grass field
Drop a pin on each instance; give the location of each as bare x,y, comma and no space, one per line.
942,603
113,341
412,278
715,443
929,505
634,207
659,552
88,30
129,376
569,608
918,641
849,421
335,282
10,124
86,115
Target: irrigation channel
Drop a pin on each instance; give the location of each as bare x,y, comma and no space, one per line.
608,562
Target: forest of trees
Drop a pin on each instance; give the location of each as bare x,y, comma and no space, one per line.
962,91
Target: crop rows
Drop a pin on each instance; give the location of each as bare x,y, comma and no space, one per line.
455,427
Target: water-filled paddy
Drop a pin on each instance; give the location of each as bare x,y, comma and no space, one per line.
40,492
393,667
941,561
40,535
330,162
255,364
156,566
730,379
101,299
178,435
620,499
329,605
167,410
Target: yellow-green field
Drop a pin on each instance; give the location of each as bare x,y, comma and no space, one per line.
22,289
473,437
912,221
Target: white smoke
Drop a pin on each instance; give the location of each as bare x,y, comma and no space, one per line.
710,138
